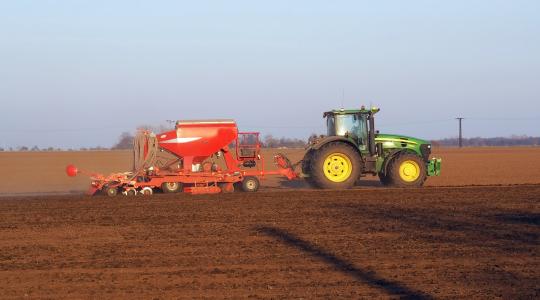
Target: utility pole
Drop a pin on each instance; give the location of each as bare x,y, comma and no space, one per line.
460,133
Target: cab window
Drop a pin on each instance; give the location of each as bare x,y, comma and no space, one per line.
352,125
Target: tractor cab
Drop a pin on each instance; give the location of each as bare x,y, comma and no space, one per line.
356,125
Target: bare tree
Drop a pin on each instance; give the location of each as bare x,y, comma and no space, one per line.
270,141
125,141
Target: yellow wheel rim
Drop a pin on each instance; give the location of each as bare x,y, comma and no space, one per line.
337,167
409,171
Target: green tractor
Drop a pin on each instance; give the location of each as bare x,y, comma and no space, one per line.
353,148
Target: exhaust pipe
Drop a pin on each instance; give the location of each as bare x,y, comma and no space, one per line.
372,149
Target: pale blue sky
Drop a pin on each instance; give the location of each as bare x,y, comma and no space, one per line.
78,73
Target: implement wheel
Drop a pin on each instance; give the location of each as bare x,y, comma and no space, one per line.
406,170
147,191
250,184
171,187
130,193
335,166
110,191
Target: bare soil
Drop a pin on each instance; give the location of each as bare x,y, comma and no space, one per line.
473,232
466,242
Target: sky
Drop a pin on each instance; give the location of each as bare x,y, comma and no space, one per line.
79,73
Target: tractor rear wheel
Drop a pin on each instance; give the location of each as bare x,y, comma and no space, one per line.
171,187
385,180
406,170
335,166
306,168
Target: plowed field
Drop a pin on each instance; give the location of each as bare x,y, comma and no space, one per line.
473,242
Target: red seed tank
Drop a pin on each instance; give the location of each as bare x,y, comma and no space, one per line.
197,140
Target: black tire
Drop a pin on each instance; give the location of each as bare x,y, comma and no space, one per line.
393,171
385,180
318,169
131,193
311,182
110,191
250,184
306,168
171,187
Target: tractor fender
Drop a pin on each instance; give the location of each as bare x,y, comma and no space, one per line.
391,156
330,139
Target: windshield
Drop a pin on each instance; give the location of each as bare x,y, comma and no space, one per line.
352,125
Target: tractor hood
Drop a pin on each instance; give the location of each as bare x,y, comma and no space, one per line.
396,138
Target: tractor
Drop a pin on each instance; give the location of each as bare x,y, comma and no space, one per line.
353,148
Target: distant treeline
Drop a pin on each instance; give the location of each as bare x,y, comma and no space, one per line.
515,140
49,149
269,141
125,142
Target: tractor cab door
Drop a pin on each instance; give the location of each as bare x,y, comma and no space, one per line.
349,125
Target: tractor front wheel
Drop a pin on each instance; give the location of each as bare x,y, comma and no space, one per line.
406,170
335,166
